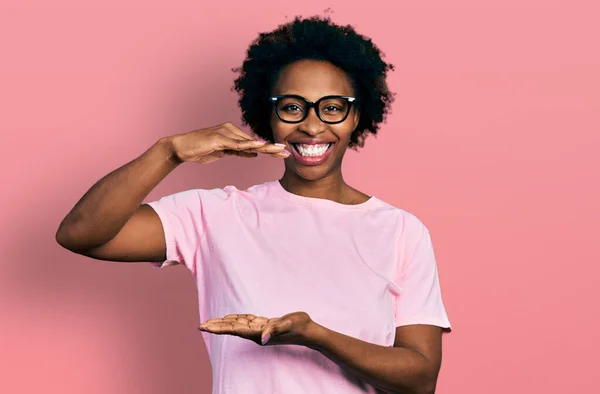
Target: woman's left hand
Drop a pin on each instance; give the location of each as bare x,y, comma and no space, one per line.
292,329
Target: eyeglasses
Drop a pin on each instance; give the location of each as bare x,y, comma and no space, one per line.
291,108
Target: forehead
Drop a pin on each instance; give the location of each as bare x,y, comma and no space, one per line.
313,79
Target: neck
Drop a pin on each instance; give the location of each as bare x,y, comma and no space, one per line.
331,187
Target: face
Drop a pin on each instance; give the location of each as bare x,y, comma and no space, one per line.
317,147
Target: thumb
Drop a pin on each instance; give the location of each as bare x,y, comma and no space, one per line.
275,329
267,333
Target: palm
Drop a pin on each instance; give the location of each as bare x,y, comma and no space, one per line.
288,329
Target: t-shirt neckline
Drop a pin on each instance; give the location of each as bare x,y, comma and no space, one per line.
276,185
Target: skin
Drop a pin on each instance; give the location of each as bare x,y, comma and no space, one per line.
110,222
313,80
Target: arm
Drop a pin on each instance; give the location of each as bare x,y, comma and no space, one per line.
410,367
108,222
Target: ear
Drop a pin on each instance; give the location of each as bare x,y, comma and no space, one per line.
356,117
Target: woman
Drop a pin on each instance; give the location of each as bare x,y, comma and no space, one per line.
307,260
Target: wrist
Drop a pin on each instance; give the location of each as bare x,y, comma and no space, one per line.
167,150
316,336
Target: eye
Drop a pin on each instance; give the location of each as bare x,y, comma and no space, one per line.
332,108
292,108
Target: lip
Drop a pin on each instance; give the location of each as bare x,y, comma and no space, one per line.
311,141
312,160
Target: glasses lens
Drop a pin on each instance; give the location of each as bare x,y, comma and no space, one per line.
291,109
333,109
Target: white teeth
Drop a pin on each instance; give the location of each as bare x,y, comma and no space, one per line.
312,150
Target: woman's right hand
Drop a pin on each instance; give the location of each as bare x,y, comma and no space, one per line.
211,144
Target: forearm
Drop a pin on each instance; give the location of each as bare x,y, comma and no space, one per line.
107,205
392,369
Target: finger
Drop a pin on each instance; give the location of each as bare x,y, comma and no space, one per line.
226,143
209,325
213,320
281,155
241,153
223,327
248,316
275,328
270,148
266,334
234,328
236,130
234,136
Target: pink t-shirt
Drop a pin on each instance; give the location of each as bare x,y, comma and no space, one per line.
361,270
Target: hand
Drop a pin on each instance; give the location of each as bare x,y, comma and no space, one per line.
211,144
292,329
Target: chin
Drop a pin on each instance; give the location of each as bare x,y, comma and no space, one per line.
312,173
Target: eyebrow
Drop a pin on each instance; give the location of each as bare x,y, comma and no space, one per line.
312,101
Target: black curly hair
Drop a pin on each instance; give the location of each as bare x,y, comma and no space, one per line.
316,38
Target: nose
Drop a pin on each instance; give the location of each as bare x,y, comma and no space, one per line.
312,125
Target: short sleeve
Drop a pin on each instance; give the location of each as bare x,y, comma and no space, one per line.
182,221
420,299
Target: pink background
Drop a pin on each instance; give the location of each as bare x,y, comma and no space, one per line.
493,143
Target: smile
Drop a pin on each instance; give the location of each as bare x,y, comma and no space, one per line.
312,154
311,150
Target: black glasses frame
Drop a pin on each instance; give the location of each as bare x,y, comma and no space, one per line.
311,104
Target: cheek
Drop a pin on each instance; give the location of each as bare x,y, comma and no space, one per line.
280,130
344,133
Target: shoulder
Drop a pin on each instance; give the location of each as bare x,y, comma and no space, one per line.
408,218
406,222
198,199
222,193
